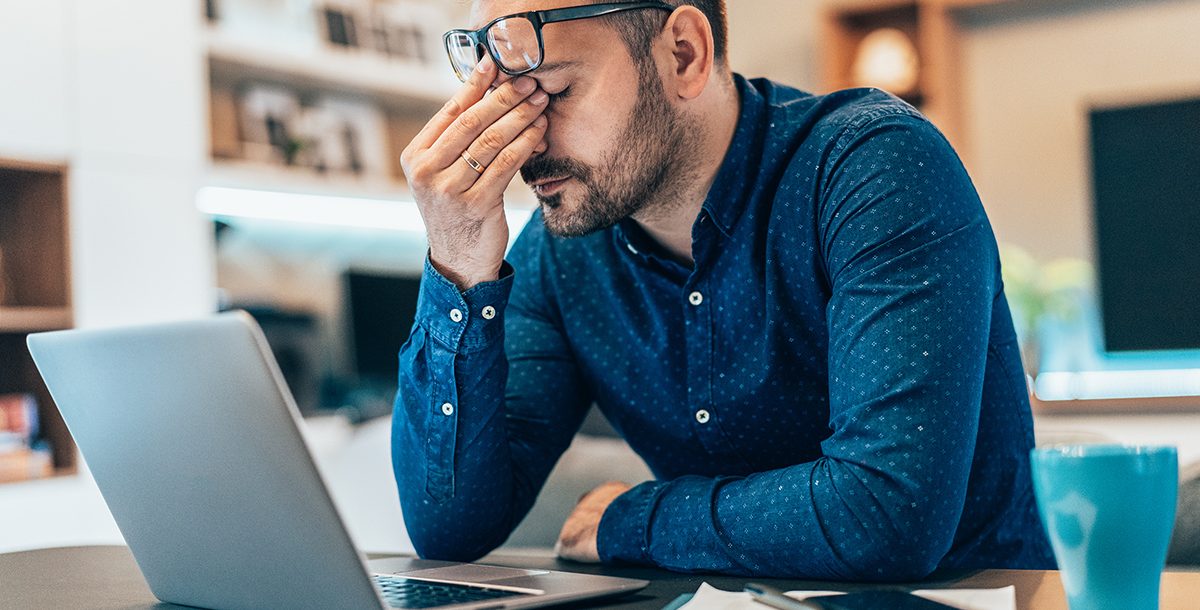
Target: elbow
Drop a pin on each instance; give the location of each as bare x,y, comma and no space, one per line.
907,558
450,548
885,563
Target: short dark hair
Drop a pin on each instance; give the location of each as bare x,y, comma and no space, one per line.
639,28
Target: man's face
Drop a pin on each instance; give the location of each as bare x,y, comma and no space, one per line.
614,140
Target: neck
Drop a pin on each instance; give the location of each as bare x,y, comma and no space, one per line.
669,221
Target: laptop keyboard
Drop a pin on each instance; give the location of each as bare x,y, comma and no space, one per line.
400,592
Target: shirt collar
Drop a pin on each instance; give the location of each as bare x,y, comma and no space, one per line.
730,191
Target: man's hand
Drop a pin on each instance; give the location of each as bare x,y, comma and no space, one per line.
463,207
577,541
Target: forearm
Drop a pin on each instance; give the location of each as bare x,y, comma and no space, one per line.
486,406
827,519
450,451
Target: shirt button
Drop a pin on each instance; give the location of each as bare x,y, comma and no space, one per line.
447,409
702,416
695,298
489,312
456,315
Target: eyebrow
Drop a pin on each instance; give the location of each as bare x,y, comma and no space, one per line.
556,66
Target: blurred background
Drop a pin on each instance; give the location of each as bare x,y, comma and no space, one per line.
163,160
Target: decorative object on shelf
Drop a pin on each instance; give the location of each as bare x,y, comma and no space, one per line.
268,116
340,27
1038,294
409,31
404,31
353,139
327,134
887,58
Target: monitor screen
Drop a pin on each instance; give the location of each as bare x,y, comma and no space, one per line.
381,310
1146,186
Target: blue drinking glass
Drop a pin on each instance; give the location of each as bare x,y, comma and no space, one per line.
1109,511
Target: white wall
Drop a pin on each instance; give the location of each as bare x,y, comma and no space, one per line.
776,39
1030,72
114,88
140,250
34,58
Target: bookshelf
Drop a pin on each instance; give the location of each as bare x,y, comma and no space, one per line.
934,29
397,95
386,99
35,295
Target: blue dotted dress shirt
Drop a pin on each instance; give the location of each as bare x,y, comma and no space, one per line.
832,391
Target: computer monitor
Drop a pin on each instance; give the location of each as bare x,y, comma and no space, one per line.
381,309
1146,186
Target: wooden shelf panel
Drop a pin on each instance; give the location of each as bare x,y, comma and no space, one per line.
392,83
1116,406
34,319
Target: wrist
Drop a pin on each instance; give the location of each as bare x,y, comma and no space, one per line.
465,277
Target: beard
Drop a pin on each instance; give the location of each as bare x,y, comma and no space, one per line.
645,165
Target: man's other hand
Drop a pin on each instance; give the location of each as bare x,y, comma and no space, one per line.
577,541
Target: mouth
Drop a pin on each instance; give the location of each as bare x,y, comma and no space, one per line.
548,187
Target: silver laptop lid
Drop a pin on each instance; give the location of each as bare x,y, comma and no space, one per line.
194,442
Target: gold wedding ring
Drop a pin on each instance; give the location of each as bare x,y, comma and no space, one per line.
475,165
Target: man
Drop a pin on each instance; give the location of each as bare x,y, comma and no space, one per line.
790,305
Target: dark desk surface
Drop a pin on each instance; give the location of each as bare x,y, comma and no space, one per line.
106,577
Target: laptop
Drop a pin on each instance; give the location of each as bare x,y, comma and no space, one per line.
195,444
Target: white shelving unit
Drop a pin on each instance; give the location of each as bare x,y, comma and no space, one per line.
316,67
404,90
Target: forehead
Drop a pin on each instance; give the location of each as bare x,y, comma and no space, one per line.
483,11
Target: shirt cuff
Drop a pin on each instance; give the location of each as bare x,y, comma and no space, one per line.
463,321
623,534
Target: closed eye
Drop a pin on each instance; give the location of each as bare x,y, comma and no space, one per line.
561,95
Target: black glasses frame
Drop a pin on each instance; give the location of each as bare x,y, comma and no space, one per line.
538,19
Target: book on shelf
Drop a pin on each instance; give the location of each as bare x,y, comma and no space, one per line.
20,458
18,422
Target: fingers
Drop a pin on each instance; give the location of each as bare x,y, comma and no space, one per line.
495,137
470,94
470,124
508,161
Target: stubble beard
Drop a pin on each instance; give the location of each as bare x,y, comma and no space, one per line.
643,170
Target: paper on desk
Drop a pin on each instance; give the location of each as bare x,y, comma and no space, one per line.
708,597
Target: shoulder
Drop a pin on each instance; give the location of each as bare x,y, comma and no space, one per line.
803,131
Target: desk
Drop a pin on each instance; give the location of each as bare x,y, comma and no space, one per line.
106,577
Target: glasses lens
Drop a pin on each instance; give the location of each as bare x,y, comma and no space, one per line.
463,54
515,43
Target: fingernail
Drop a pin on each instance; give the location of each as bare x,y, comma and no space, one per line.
540,121
539,98
484,65
524,84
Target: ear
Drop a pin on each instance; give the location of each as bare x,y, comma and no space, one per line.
689,39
